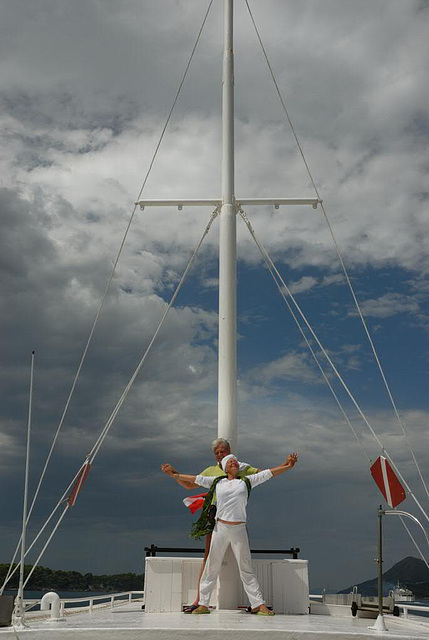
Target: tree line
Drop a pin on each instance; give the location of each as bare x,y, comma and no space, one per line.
44,579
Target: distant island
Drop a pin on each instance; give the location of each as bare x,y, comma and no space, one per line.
45,579
411,573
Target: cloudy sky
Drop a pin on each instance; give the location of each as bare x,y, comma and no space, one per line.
85,89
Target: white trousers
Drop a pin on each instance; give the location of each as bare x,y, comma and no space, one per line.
236,536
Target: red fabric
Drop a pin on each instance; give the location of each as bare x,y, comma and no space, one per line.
397,491
194,502
78,484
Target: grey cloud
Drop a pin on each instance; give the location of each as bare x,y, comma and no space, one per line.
304,284
85,89
23,241
293,366
52,301
309,282
388,305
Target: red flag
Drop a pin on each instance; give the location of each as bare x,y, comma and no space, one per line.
387,482
78,484
194,502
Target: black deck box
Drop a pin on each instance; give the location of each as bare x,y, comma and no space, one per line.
6,609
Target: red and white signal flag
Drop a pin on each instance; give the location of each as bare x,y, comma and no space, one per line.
194,502
387,482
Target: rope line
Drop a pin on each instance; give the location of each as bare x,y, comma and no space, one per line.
349,393
21,542
282,100
343,267
308,343
115,264
11,571
374,351
94,451
414,541
121,400
46,544
269,264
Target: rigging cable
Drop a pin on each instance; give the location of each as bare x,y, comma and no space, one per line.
121,400
95,449
115,264
415,543
279,282
11,571
354,297
308,343
284,288
46,544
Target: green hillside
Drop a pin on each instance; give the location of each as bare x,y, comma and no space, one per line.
409,572
44,578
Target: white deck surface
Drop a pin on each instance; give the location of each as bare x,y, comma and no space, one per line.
129,622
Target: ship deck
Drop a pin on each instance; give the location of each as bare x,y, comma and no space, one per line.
129,622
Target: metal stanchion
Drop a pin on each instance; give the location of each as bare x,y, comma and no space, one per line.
380,624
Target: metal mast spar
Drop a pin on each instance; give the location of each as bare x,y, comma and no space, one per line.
228,205
227,367
227,371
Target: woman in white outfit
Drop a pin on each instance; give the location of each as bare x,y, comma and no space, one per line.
230,528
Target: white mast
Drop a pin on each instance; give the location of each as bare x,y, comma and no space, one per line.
227,367
228,206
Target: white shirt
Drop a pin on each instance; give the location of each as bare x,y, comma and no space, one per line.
232,494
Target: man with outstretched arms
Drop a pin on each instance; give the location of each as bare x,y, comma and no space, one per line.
220,448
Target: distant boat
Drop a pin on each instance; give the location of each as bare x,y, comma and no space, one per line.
402,594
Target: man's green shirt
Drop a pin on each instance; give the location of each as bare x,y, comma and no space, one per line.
216,470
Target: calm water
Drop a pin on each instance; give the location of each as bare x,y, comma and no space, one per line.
421,603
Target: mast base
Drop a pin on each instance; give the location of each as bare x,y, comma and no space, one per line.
380,624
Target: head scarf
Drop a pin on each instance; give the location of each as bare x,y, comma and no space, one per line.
225,460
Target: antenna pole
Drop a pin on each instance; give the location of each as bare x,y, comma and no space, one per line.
227,367
380,624
19,602
380,561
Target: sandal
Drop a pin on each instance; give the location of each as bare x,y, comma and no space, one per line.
268,612
190,609
200,609
265,613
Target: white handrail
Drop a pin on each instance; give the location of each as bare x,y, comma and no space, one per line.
411,607
109,600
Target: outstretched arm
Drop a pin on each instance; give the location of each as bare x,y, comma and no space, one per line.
171,471
261,477
290,462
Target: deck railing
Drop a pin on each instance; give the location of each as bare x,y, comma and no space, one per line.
411,607
94,602
153,550
405,606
